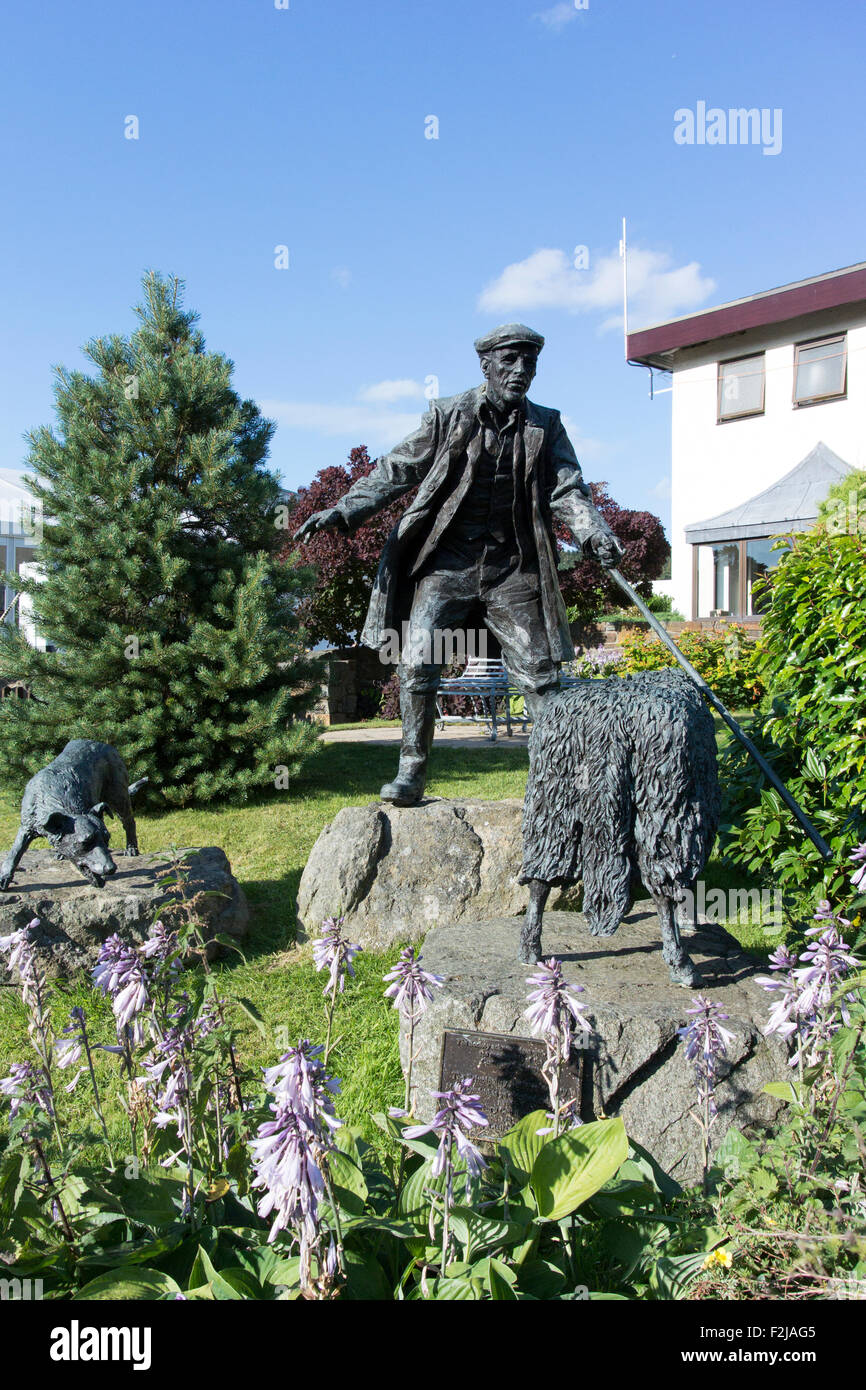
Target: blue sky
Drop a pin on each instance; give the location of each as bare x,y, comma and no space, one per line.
305,127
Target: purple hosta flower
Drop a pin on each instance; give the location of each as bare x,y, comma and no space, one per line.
209,1019
26,1084
73,1043
554,1011
300,1081
23,960
289,1151
168,1077
858,856
335,953
120,974
706,1046
284,1158
805,992
825,962
460,1111
782,959
162,949
412,988
35,993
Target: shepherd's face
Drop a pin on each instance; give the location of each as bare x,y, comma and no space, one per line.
509,372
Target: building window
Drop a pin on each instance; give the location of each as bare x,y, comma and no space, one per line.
741,388
760,559
726,578
820,370
726,574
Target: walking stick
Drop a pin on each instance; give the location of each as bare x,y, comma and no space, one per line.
771,776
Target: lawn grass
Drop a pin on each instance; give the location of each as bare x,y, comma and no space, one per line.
268,842
365,724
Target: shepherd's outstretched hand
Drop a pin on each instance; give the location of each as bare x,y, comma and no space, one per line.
606,549
330,519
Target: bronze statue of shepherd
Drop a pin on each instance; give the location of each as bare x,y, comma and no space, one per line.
495,471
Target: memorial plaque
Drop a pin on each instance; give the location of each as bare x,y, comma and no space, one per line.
506,1074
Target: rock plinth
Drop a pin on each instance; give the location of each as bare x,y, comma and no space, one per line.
396,872
638,1061
75,916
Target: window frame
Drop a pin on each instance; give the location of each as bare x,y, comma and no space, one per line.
740,414
831,395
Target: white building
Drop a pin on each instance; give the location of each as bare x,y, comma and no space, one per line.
769,408
20,533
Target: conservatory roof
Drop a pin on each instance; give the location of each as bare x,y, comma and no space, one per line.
791,504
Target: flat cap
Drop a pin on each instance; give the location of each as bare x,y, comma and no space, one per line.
507,335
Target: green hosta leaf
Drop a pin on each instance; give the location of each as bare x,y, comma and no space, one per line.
149,1200
247,1005
238,1165
13,1170
541,1279
480,1232
242,1282
283,1271
350,1189
365,1279
132,1252
500,1281
129,1284
672,1275
522,1144
426,1145
203,1272
571,1168
414,1203
652,1170
632,1246
792,1092
460,1290
384,1225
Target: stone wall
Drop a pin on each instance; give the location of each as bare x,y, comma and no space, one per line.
346,673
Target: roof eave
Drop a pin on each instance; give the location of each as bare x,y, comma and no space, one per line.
658,346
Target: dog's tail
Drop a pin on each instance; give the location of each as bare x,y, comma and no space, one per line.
137,786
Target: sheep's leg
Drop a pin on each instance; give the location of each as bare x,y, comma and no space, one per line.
685,911
530,936
682,969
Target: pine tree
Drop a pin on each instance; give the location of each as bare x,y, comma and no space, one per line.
173,622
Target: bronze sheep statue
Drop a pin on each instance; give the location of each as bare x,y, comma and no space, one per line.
623,787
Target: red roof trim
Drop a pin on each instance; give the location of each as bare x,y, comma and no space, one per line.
831,292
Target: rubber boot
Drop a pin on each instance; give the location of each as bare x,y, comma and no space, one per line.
418,712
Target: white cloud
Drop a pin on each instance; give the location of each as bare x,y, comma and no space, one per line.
558,16
386,392
342,276
662,490
547,279
361,423
584,446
